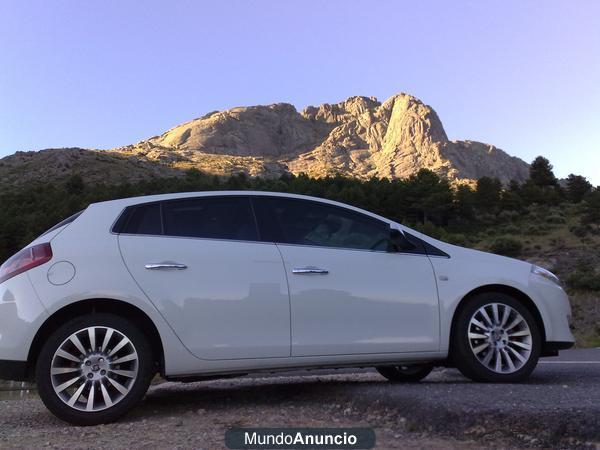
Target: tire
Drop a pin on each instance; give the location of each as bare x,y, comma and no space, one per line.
478,341
405,374
88,388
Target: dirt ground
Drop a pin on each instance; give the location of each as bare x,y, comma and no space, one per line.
559,407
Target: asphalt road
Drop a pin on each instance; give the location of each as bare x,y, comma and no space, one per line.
558,407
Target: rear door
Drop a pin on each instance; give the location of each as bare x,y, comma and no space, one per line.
200,262
349,295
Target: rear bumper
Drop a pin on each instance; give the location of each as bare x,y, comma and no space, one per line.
551,348
13,370
21,315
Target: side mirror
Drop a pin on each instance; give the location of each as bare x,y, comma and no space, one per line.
399,242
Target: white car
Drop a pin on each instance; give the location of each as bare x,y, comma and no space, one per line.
209,284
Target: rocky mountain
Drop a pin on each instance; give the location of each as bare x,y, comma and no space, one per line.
359,137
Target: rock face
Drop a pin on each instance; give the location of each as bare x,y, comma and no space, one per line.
359,137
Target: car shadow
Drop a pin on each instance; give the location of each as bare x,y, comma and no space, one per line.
287,390
175,398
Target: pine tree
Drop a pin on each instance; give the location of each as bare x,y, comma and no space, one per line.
577,188
487,194
591,208
541,173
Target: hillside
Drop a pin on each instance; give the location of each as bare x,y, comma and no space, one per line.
359,137
24,168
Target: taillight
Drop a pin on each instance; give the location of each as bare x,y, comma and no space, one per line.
26,259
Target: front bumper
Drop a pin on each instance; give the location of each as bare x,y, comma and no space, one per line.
551,348
554,307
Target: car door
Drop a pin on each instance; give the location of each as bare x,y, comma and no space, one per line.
200,262
348,294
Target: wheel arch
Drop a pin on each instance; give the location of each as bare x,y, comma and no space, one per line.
519,295
91,306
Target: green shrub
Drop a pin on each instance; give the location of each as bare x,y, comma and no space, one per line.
535,230
508,215
487,219
555,218
432,230
582,278
457,239
507,246
580,230
555,211
511,229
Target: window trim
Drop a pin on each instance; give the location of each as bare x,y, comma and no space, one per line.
125,215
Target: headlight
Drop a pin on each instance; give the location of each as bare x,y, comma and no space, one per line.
545,273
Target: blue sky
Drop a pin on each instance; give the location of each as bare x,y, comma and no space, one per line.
522,75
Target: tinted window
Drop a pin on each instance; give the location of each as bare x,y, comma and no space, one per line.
216,218
311,223
143,219
422,246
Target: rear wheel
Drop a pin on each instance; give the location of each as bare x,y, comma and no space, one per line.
405,374
495,339
94,369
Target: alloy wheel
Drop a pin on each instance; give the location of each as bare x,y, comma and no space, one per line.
94,368
500,338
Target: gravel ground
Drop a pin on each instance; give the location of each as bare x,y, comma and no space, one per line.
558,407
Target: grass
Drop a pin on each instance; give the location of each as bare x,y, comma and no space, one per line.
548,240
588,342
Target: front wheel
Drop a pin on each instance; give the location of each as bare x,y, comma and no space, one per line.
405,374
495,339
94,369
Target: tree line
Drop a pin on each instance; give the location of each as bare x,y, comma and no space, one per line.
423,200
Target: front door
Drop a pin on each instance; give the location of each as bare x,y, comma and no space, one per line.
349,295
224,293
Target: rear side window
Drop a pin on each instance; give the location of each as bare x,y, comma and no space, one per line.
143,219
303,222
210,217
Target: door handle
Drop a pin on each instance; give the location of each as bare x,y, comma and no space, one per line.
309,270
165,266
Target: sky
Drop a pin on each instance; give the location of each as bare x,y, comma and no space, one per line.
522,75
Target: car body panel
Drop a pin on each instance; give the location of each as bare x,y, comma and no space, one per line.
230,302
368,302
468,270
